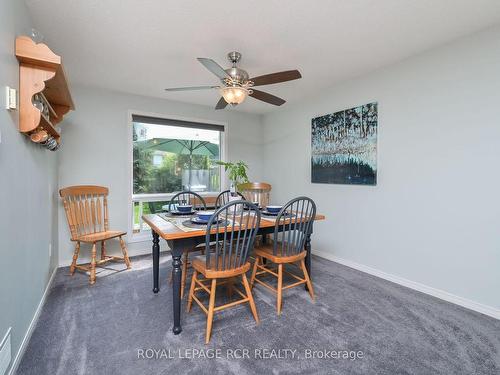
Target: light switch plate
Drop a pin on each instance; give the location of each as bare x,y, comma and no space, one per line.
10,98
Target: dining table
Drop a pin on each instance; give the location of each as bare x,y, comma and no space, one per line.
180,239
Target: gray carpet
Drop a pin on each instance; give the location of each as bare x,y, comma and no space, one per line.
102,329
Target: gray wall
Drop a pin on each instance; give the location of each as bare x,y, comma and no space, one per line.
434,217
96,149
28,184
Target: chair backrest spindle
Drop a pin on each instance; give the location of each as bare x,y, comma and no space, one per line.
236,225
224,197
187,197
296,219
256,192
86,209
106,217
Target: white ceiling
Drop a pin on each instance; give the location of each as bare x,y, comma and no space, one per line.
143,46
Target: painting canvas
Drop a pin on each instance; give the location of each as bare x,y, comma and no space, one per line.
344,146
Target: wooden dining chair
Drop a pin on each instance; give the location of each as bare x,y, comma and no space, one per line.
86,208
256,192
187,197
296,219
224,197
231,230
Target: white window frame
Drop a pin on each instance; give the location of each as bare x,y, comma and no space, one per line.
145,236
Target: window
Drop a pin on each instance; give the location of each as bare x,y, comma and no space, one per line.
170,156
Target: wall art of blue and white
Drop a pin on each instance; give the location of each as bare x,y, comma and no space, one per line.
344,146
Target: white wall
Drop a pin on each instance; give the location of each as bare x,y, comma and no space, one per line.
95,149
433,217
28,185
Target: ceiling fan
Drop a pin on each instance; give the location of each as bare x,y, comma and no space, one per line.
236,84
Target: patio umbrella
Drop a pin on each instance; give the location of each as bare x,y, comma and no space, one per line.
181,146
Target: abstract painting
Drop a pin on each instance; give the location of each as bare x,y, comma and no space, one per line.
344,146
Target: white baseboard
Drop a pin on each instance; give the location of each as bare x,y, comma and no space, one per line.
472,305
31,327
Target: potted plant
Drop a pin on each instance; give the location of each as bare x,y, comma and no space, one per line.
237,173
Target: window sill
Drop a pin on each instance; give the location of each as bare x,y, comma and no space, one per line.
145,235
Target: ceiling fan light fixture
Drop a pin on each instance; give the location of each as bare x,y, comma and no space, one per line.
234,95
237,84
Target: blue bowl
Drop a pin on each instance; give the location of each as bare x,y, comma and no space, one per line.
185,208
273,209
205,215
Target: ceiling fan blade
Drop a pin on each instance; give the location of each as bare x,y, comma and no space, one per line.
192,88
278,77
221,104
213,67
266,97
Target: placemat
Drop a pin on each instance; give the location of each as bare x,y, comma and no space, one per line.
169,215
187,223
273,218
177,220
184,222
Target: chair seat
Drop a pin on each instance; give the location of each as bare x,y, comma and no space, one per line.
100,236
266,251
199,263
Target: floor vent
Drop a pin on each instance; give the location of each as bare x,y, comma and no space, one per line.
5,353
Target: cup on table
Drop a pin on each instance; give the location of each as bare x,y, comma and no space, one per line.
273,209
185,208
205,215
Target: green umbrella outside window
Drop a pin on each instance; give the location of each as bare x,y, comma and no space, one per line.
181,147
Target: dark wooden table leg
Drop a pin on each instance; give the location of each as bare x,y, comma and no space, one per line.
176,290
156,261
177,247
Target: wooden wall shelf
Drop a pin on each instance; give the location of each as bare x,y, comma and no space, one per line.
41,72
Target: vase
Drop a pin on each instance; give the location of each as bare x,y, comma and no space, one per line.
233,196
